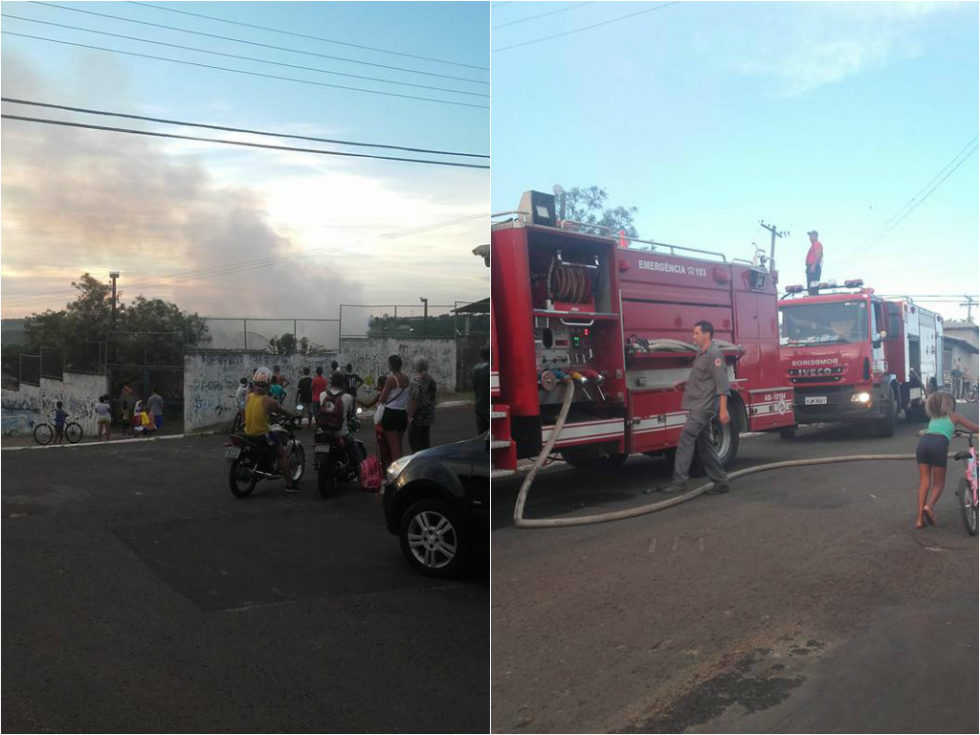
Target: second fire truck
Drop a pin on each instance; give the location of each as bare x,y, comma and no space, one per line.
854,356
582,312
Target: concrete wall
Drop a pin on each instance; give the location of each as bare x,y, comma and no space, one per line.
211,378
21,409
369,356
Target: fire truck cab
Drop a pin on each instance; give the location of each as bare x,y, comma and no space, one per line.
854,356
578,311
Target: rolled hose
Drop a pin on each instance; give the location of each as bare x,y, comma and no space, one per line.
619,515
545,451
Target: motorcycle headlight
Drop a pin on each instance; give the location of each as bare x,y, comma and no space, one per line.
860,397
397,467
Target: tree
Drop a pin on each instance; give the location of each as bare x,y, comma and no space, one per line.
157,330
588,205
287,344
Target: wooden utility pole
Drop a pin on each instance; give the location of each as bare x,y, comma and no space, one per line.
969,304
774,232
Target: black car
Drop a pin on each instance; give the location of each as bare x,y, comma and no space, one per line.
437,502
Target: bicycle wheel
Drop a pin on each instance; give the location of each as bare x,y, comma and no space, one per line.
73,432
967,507
43,434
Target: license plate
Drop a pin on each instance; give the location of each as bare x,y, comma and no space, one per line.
815,400
233,452
321,449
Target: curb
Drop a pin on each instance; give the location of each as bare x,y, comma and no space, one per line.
111,442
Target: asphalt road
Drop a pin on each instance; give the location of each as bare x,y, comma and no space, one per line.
140,596
802,601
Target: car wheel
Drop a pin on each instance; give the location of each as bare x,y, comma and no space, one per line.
433,539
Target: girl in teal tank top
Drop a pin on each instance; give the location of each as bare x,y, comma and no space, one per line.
933,450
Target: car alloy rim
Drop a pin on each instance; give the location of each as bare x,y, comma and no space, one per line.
432,539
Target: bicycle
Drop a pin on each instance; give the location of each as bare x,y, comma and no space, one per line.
968,490
44,432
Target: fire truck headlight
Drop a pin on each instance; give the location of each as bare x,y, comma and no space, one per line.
862,397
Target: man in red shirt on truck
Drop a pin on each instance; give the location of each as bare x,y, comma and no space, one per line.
814,261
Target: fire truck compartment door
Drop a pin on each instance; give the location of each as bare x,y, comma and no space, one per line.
648,421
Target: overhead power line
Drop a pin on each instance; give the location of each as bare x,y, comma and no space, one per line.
247,73
238,142
925,192
245,58
575,6
256,43
237,130
586,28
312,38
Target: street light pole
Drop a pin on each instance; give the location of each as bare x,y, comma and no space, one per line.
425,315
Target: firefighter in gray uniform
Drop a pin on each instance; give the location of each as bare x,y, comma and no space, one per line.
705,393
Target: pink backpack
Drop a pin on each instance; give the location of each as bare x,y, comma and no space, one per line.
369,473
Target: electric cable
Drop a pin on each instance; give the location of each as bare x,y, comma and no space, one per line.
586,28
918,201
574,6
90,111
239,142
241,71
262,45
239,57
312,38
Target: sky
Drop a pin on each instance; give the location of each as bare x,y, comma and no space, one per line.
709,117
176,218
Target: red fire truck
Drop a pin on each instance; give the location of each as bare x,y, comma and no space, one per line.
578,311
855,356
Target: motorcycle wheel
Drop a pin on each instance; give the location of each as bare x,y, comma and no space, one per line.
241,478
326,480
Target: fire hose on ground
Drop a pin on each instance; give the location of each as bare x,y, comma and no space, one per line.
619,515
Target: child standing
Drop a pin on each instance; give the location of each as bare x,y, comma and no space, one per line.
59,423
932,451
103,417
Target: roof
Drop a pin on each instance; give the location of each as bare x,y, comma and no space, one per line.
477,307
961,343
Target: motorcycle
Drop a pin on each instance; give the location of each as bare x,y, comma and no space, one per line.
253,459
331,460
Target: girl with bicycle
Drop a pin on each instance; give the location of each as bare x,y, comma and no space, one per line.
931,453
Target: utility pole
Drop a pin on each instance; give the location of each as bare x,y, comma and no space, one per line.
425,315
112,319
774,232
969,304
560,193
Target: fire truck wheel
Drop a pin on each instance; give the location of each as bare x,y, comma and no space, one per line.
726,444
592,457
916,413
886,424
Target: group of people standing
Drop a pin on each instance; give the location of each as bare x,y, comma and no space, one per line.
142,418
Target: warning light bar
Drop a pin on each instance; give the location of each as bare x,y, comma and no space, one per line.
794,289
854,282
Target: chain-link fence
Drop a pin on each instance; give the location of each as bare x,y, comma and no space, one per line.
30,369
410,321
275,336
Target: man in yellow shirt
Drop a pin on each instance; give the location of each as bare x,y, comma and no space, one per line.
259,408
